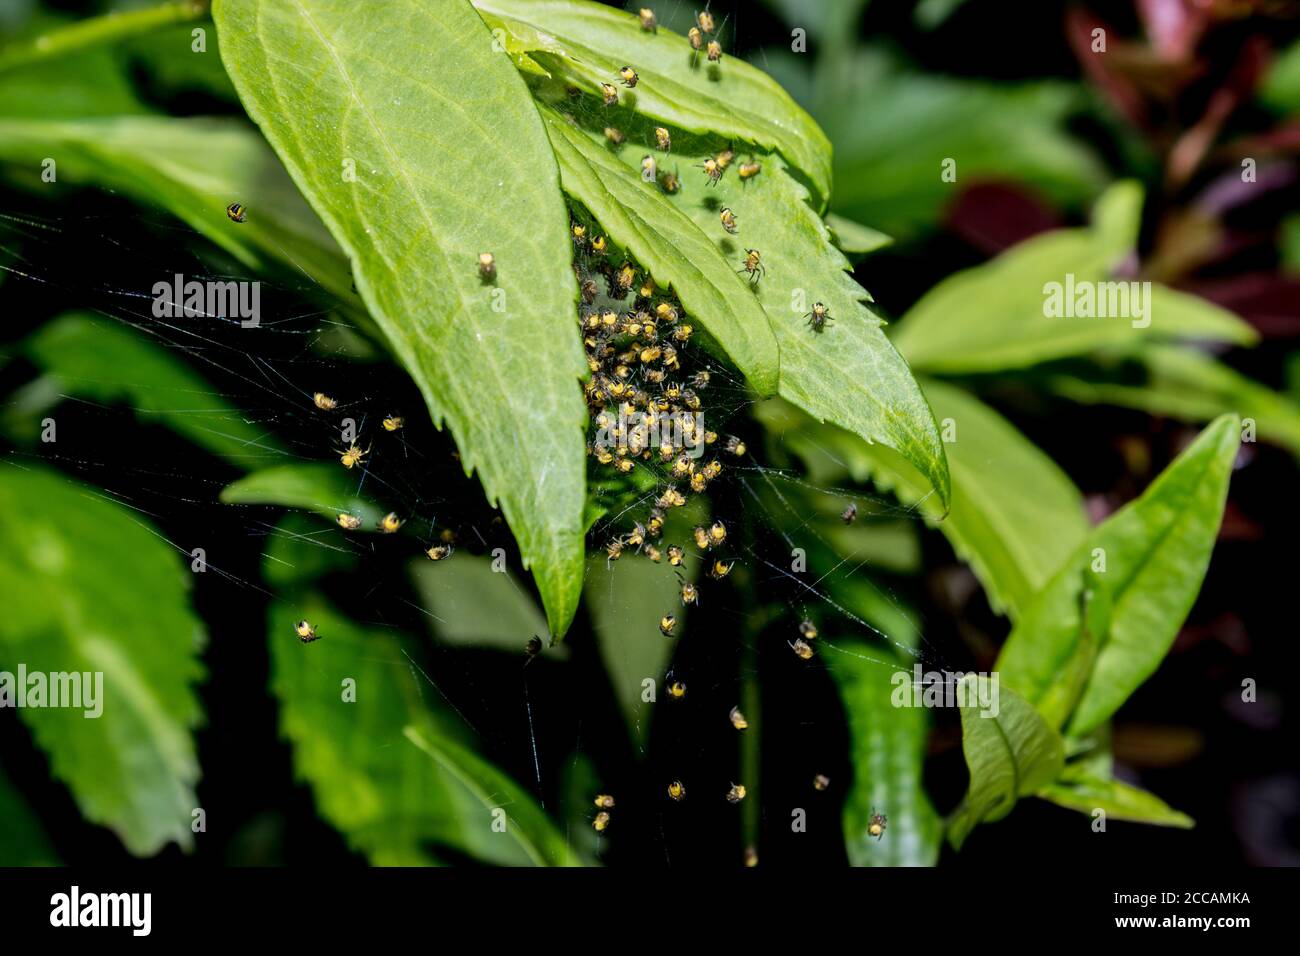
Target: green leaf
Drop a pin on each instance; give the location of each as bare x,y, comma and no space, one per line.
995,316
1015,516
669,245
931,14
389,801
527,823
590,43
91,84
92,32
300,550
889,158
849,374
324,488
43,76
1011,755
887,745
855,239
193,168
1059,700
90,587
474,605
25,842
626,600
1156,550
174,68
1185,384
1121,801
1280,89
413,221
100,360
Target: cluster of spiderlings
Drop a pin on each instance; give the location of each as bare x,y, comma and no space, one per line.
648,397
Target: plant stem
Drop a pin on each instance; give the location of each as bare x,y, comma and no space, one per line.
98,31
757,617
749,744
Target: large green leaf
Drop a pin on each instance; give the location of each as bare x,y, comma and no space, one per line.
1015,516
1011,755
669,245
887,745
193,168
90,587
1186,384
390,802
325,488
590,43
1156,550
451,160
993,317
99,359
849,374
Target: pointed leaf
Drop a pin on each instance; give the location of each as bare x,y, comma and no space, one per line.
321,487
1155,552
1120,801
855,239
497,360
1188,385
669,245
996,316
849,374
590,42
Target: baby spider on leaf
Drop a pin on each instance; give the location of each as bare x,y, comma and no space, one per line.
753,265
819,317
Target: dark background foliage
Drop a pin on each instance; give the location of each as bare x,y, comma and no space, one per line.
1185,734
